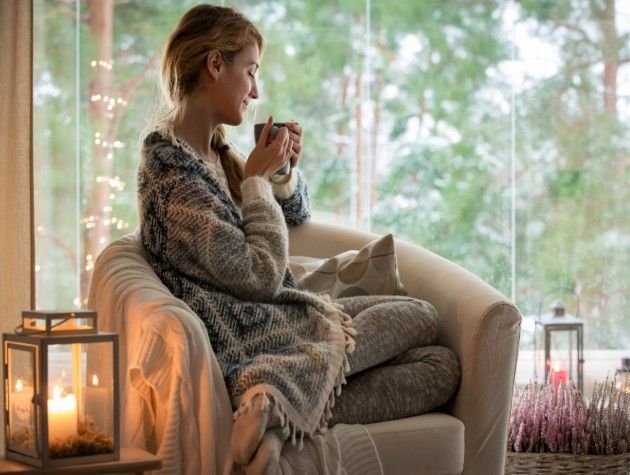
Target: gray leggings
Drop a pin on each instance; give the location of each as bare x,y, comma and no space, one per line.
396,370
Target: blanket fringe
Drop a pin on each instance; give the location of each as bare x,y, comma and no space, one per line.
334,312
290,431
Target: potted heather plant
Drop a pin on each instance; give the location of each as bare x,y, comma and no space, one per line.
553,429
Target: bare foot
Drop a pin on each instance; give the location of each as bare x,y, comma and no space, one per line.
267,458
248,430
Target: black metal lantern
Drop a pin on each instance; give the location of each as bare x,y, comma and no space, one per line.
562,338
623,375
61,390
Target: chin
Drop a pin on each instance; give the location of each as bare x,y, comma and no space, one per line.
231,117
234,121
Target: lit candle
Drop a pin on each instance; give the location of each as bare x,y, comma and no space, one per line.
558,374
62,415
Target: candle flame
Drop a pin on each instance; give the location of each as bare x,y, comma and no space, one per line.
19,385
57,392
95,380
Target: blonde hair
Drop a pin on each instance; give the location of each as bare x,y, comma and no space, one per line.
202,29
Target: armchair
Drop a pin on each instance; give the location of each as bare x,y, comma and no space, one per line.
479,324
467,435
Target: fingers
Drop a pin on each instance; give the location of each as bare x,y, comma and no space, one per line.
264,135
297,148
294,127
282,138
295,134
289,149
295,131
295,138
285,146
281,149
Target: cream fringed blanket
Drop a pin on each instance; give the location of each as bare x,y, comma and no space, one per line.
175,403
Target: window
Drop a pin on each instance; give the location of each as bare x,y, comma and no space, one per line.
493,133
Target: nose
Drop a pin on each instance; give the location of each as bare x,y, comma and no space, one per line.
253,93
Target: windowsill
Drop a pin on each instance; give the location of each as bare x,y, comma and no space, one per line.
597,364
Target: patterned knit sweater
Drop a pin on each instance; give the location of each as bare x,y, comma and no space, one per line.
230,267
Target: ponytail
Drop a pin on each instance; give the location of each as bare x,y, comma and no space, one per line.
231,162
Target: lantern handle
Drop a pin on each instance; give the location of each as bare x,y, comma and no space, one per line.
20,328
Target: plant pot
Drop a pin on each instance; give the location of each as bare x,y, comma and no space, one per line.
548,462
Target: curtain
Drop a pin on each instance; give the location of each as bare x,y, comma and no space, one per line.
16,209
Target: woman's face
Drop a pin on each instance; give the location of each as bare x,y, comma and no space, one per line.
236,86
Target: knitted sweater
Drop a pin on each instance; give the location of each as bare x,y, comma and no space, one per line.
230,267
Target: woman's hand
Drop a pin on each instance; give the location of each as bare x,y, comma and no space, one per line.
295,134
267,158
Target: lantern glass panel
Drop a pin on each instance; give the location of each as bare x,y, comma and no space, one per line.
563,348
38,324
51,322
80,399
623,380
64,323
563,355
21,382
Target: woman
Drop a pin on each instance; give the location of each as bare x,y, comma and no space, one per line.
214,228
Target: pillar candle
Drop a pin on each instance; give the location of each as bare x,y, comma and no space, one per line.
559,374
62,415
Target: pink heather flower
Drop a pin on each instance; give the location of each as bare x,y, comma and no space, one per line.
556,418
519,438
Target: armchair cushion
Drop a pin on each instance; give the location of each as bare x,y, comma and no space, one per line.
373,270
426,444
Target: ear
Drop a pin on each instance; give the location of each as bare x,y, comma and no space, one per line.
214,63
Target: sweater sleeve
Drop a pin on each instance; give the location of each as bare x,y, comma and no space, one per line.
248,259
291,193
293,198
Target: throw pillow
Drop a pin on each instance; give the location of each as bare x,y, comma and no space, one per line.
372,270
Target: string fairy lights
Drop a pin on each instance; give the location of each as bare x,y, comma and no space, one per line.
101,217
114,183
102,64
